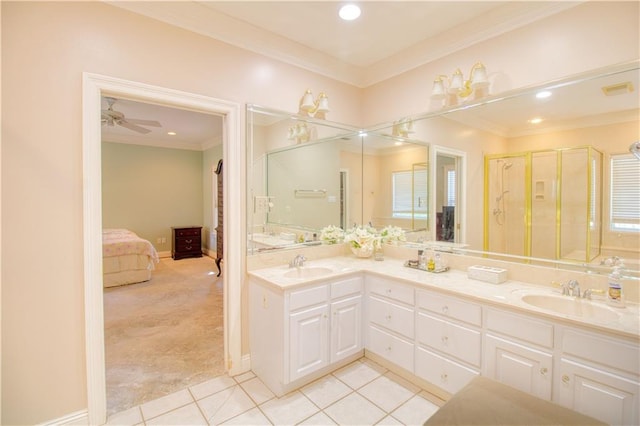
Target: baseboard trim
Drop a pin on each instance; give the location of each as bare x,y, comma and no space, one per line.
78,418
163,254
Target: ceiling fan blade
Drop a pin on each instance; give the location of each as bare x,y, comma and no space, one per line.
144,122
133,127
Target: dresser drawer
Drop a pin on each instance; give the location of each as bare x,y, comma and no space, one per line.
449,338
391,316
188,232
442,372
392,348
450,307
387,288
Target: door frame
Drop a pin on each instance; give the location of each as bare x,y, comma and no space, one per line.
461,189
94,85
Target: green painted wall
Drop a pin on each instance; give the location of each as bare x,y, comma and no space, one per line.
148,190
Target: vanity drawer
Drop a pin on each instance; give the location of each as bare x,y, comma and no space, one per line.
308,297
603,350
390,347
391,316
346,287
449,338
450,307
442,372
387,288
520,327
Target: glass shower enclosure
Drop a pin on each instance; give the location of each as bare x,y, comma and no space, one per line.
544,204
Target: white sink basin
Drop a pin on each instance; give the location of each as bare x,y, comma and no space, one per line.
308,272
570,306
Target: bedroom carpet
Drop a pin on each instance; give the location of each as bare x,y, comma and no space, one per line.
165,334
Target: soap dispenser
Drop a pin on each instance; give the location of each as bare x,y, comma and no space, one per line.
615,295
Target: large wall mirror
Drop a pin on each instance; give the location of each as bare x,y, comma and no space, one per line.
522,175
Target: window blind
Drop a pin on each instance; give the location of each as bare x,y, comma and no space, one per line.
409,193
625,193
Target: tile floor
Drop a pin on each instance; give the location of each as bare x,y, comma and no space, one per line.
361,393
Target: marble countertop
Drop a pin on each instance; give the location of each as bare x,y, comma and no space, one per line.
620,321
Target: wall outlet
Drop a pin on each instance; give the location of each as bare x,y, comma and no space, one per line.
164,240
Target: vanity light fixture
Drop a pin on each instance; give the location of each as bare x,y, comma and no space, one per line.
314,108
349,12
301,133
457,87
402,128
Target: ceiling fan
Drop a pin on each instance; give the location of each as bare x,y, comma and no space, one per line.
110,117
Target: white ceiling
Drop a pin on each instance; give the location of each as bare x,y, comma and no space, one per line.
389,38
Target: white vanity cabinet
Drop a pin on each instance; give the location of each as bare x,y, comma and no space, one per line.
449,340
518,351
298,334
597,375
390,321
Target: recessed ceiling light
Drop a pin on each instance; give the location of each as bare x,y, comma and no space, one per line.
544,94
536,120
397,143
349,12
171,133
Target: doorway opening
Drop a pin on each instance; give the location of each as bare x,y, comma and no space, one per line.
164,329
95,86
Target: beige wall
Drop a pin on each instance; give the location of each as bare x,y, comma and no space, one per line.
148,190
45,49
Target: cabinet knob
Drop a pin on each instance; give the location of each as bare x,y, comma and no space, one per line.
445,309
388,291
565,378
544,371
388,317
445,340
444,377
388,348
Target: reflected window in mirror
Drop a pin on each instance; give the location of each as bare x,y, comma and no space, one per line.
625,193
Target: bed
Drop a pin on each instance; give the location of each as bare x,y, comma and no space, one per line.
126,258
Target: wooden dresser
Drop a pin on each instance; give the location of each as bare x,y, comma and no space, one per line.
186,241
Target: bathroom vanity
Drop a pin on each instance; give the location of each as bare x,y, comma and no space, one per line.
442,330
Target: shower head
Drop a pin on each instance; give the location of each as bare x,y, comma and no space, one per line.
635,149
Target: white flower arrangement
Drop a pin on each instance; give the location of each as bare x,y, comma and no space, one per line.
331,234
363,238
392,234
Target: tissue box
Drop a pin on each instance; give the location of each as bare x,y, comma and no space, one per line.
487,274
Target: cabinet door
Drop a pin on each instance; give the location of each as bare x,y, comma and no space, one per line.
346,328
308,341
597,393
518,366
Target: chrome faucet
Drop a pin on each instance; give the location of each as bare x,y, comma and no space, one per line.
571,288
297,261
